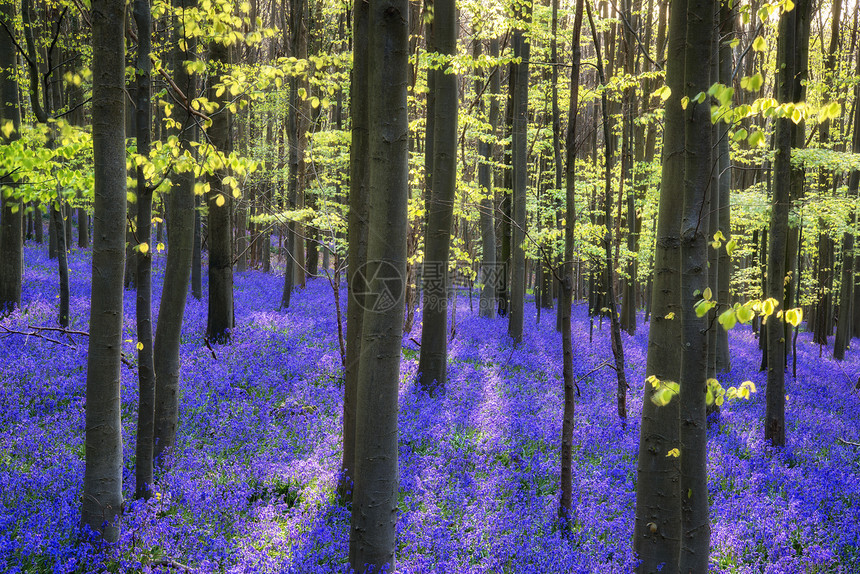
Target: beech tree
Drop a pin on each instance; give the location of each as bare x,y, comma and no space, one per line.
181,213
433,362
374,507
657,530
357,231
12,215
101,503
219,201
519,163
778,233
143,305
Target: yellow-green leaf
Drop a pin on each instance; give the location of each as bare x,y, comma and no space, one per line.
759,45
727,319
8,128
794,316
756,139
731,246
674,453
744,314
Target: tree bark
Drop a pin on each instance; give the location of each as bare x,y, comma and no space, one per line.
657,532
695,530
845,325
724,266
519,161
180,230
357,232
433,360
143,310
566,294
11,219
220,317
487,305
776,261
102,497
374,509
615,327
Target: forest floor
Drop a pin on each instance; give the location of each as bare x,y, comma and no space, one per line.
250,485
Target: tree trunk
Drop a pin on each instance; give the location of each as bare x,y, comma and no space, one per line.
695,530
62,264
220,317
487,305
180,230
433,360
197,251
628,300
776,261
615,327
357,232
102,495
11,219
846,324
374,509
519,161
143,310
724,266
566,295
657,531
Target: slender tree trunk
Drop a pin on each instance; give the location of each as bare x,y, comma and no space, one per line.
143,310
566,295
776,261
695,530
359,216
180,223
846,324
724,266
220,317
11,219
374,509
102,495
487,305
615,327
519,161
241,214
657,531
433,360
197,251
62,264
628,301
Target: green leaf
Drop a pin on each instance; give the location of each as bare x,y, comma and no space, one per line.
759,44
727,319
664,92
744,314
794,316
702,307
731,246
8,128
756,139
740,135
